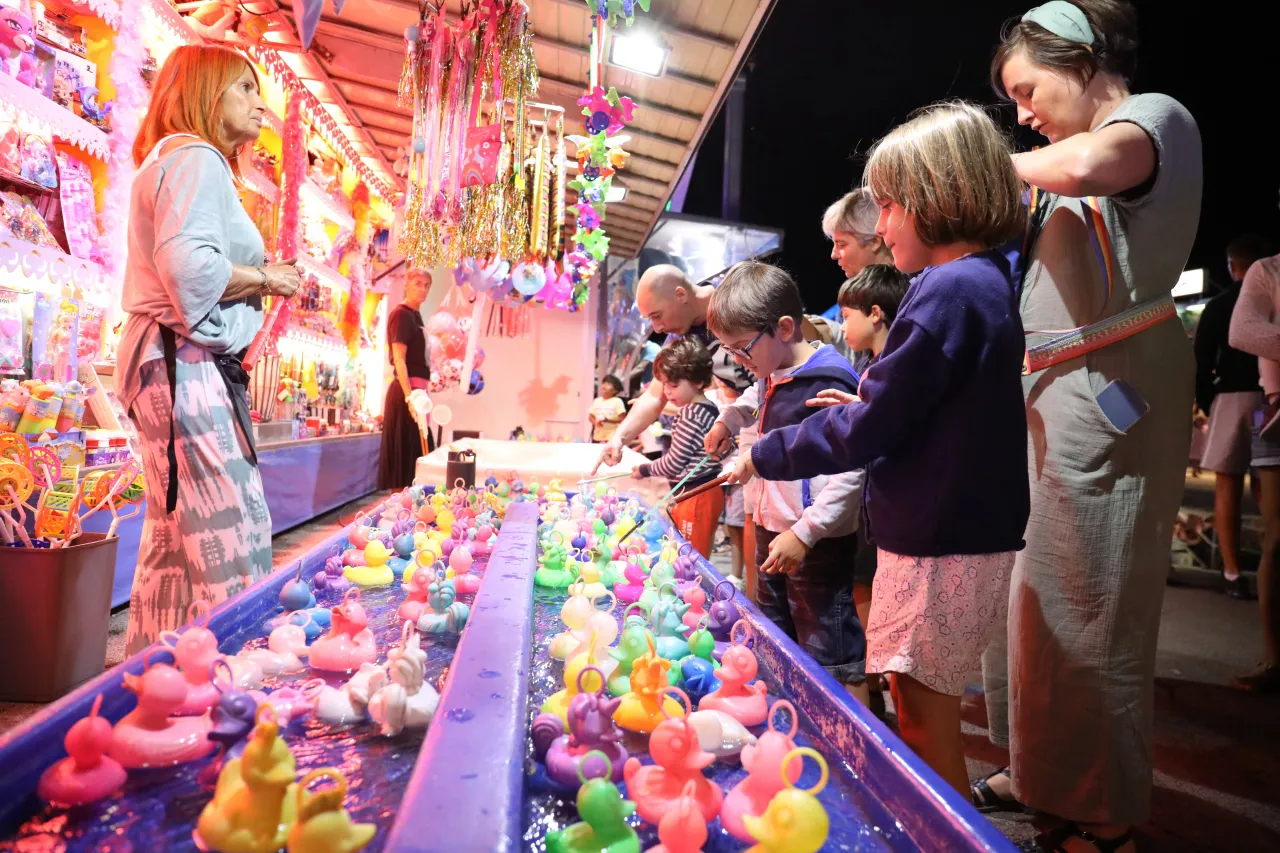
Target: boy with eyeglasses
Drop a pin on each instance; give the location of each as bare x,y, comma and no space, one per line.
806,530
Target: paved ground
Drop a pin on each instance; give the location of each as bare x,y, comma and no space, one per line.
1217,752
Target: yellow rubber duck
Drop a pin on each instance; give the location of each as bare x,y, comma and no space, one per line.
558,703
640,710
377,572
794,822
555,491
323,824
444,521
252,809
589,575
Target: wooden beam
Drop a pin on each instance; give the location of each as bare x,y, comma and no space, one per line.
585,50
581,85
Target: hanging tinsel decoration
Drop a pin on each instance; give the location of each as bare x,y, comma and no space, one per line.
558,193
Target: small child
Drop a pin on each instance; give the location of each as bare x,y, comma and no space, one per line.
684,369
868,303
806,529
607,410
734,519
941,425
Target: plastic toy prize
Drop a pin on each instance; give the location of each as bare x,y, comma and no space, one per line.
87,773
794,822
604,813
763,762
150,735
323,825
739,696
591,731
658,788
349,643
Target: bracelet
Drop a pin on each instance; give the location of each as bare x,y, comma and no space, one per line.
265,280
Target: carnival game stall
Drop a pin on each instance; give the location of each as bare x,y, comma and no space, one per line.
457,689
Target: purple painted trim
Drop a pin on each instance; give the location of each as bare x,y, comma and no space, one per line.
467,790
27,749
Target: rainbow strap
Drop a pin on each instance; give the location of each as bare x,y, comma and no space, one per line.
1073,343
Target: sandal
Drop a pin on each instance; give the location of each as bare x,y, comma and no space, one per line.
986,800
1052,841
1265,680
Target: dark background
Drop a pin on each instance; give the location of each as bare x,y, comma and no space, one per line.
826,79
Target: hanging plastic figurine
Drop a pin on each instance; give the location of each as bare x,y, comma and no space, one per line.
406,701
763,763
151,735
253,806
87,773
794,822
646,705
349,643
323,825
739,695
445,615
604,814
591,729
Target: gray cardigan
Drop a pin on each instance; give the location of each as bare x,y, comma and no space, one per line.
187,228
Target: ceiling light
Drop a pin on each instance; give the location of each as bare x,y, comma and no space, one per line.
1190,283
615,194
639,52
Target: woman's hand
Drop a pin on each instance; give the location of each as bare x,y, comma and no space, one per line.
831,397
283,278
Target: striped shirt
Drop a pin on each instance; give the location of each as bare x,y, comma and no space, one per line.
686,450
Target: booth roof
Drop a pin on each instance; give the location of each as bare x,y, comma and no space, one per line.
358,55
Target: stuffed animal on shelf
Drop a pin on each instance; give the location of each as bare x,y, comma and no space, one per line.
18,43
93,113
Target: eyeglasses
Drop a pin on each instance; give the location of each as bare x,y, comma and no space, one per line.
745,352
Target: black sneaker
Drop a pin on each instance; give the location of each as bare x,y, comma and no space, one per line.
1238,588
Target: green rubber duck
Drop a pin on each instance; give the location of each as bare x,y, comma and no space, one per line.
604,826
554,573
634,642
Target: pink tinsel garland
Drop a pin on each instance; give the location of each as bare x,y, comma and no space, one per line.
126,117
295,173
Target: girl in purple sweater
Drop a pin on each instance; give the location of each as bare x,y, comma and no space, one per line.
940,426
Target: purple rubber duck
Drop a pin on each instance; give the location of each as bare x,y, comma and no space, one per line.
591,729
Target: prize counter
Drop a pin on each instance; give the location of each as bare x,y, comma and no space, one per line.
470,783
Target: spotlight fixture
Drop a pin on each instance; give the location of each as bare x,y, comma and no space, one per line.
642,52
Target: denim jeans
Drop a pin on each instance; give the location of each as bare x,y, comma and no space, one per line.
814,604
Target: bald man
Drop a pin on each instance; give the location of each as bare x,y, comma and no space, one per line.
672,304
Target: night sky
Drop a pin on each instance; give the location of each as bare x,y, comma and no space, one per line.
826,79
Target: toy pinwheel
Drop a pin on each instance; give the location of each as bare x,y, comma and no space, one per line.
528,278
482,277
595,243
606,112
588,217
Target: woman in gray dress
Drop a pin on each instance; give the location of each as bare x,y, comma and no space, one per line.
1116,202
193,289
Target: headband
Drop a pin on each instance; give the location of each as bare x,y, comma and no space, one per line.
1065,20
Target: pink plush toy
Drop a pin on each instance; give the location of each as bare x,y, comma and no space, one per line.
18,44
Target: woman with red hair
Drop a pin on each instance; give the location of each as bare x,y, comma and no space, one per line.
193,290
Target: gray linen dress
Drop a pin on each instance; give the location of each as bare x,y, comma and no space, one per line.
1073,698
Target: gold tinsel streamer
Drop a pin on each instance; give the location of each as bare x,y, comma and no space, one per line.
541,198
558,213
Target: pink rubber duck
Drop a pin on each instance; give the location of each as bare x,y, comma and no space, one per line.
630,592
414,606
746,703
87,773
658,788
682,830
193,652
763,763
149,736
349,642
460,560
695,598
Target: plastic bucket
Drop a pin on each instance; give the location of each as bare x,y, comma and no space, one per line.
56,612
